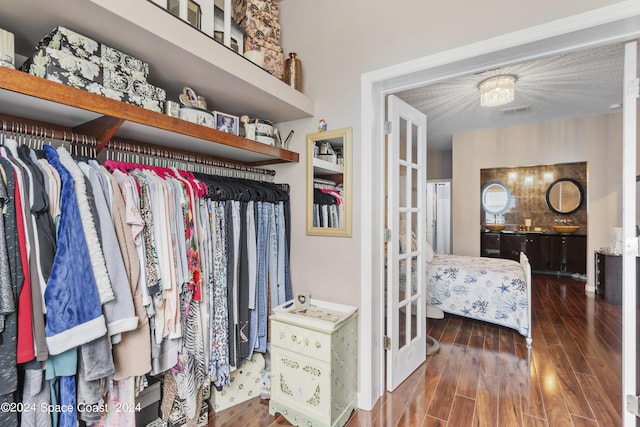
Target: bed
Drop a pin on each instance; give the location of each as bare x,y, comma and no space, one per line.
493,290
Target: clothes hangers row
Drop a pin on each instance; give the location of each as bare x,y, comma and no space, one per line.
126,152
35,137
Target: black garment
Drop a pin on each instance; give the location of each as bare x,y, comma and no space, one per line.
40,211
228,211
243,289
8,337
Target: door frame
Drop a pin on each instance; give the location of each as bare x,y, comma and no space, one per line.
616,23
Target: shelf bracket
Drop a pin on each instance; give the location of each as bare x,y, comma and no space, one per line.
102,129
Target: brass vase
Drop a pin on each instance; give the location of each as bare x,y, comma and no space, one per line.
293,71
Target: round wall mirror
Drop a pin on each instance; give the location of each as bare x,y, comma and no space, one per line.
564,196
495,197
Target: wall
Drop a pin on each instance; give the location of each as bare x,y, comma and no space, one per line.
595,140
337,41
439,164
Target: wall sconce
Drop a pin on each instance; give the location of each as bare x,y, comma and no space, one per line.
547,176
512,177
528,180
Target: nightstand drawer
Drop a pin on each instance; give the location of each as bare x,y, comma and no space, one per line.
301,340
301,388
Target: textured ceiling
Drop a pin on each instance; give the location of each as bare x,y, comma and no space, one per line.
579,84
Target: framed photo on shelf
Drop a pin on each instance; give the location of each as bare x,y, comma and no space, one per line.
227,123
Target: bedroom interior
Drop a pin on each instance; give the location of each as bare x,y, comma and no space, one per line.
544,146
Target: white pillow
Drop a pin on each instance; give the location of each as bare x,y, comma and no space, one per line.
428,252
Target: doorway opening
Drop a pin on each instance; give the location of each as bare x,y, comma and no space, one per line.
616,23
439,215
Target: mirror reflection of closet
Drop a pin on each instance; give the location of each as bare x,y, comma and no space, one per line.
329,183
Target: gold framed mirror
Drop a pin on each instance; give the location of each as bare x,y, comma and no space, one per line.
329,183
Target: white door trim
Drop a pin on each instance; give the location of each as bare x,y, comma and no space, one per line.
615,23
630,88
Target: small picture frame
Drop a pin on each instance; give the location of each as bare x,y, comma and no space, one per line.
302,299
189,97
227,123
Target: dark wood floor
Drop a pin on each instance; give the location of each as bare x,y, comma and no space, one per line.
483,375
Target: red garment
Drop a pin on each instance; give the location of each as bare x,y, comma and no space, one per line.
25,347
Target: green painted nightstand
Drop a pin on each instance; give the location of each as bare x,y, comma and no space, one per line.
314,364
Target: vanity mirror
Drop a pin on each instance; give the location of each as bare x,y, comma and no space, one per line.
329,183
495,198
565,196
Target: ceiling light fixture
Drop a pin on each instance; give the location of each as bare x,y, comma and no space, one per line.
497,90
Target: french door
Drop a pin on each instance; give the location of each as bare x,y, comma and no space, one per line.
405,240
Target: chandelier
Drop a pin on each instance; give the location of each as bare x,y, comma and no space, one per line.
497,90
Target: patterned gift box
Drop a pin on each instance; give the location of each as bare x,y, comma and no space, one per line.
273,57
84,47
264,10
59,75
129,84
255,29
132,98
64,39
115,60
47,57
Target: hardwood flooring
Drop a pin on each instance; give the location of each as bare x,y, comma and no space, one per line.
484,375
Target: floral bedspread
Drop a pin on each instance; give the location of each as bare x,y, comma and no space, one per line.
489,289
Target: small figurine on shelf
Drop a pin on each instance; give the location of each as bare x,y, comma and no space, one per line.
322,125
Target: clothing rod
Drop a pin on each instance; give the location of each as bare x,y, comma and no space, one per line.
80,143
123,151
44,132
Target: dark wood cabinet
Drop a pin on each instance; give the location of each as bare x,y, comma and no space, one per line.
511,245
609,276
538,250
490,245
568,254
547,253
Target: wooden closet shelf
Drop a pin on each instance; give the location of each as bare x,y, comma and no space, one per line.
58,105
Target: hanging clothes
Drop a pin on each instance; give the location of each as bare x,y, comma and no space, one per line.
143,270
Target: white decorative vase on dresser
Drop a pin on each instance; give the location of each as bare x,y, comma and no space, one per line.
314,355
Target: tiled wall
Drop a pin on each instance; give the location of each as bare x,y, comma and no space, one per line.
528,187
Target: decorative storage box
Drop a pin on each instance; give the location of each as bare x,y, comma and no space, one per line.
256,29
48,57
81,46
273,56
57,74
133,99
264,10
130,84
314,363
